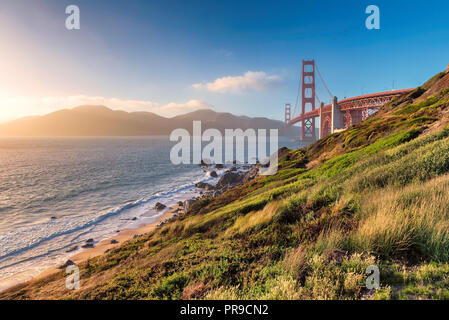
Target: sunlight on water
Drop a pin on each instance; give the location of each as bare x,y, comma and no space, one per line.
56,193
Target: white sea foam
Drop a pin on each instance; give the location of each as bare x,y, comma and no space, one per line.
93,188
27,251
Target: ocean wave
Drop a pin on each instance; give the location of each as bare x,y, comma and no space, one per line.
29,237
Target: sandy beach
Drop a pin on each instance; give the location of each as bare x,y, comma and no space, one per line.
93,247
125,235
100,248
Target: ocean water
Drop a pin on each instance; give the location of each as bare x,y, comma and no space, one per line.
55,193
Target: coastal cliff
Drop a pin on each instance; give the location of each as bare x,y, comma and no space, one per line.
374,194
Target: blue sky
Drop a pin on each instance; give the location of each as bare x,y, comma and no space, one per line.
243,57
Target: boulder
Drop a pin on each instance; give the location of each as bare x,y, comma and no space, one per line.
204,163
113,241
265,164
188,204
74,248
219,166
204,185
66,264
250,175
229,179
159,206
213,174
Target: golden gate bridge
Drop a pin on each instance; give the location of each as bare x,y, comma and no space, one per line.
336,116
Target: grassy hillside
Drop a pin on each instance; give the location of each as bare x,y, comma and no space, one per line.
377,193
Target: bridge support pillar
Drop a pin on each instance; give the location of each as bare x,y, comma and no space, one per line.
320,122
337,116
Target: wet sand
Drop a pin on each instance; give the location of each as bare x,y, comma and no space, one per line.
122,237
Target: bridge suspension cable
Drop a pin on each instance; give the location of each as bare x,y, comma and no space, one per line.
299,92
324,83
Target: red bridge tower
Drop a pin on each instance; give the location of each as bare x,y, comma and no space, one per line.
308,98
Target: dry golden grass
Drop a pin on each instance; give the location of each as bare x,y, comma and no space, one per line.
414,219
295,259
253,219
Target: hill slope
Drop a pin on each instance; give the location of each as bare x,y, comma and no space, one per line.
375,194
102,121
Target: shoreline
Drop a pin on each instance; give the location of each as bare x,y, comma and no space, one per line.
236,176
100,248
125,235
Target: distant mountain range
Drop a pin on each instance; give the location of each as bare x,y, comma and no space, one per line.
102,121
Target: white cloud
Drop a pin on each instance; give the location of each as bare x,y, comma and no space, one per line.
16,107
256,81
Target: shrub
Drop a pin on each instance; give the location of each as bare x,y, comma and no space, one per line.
171,287
291,210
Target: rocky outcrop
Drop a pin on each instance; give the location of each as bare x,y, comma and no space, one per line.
229,179
232,177
251,175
